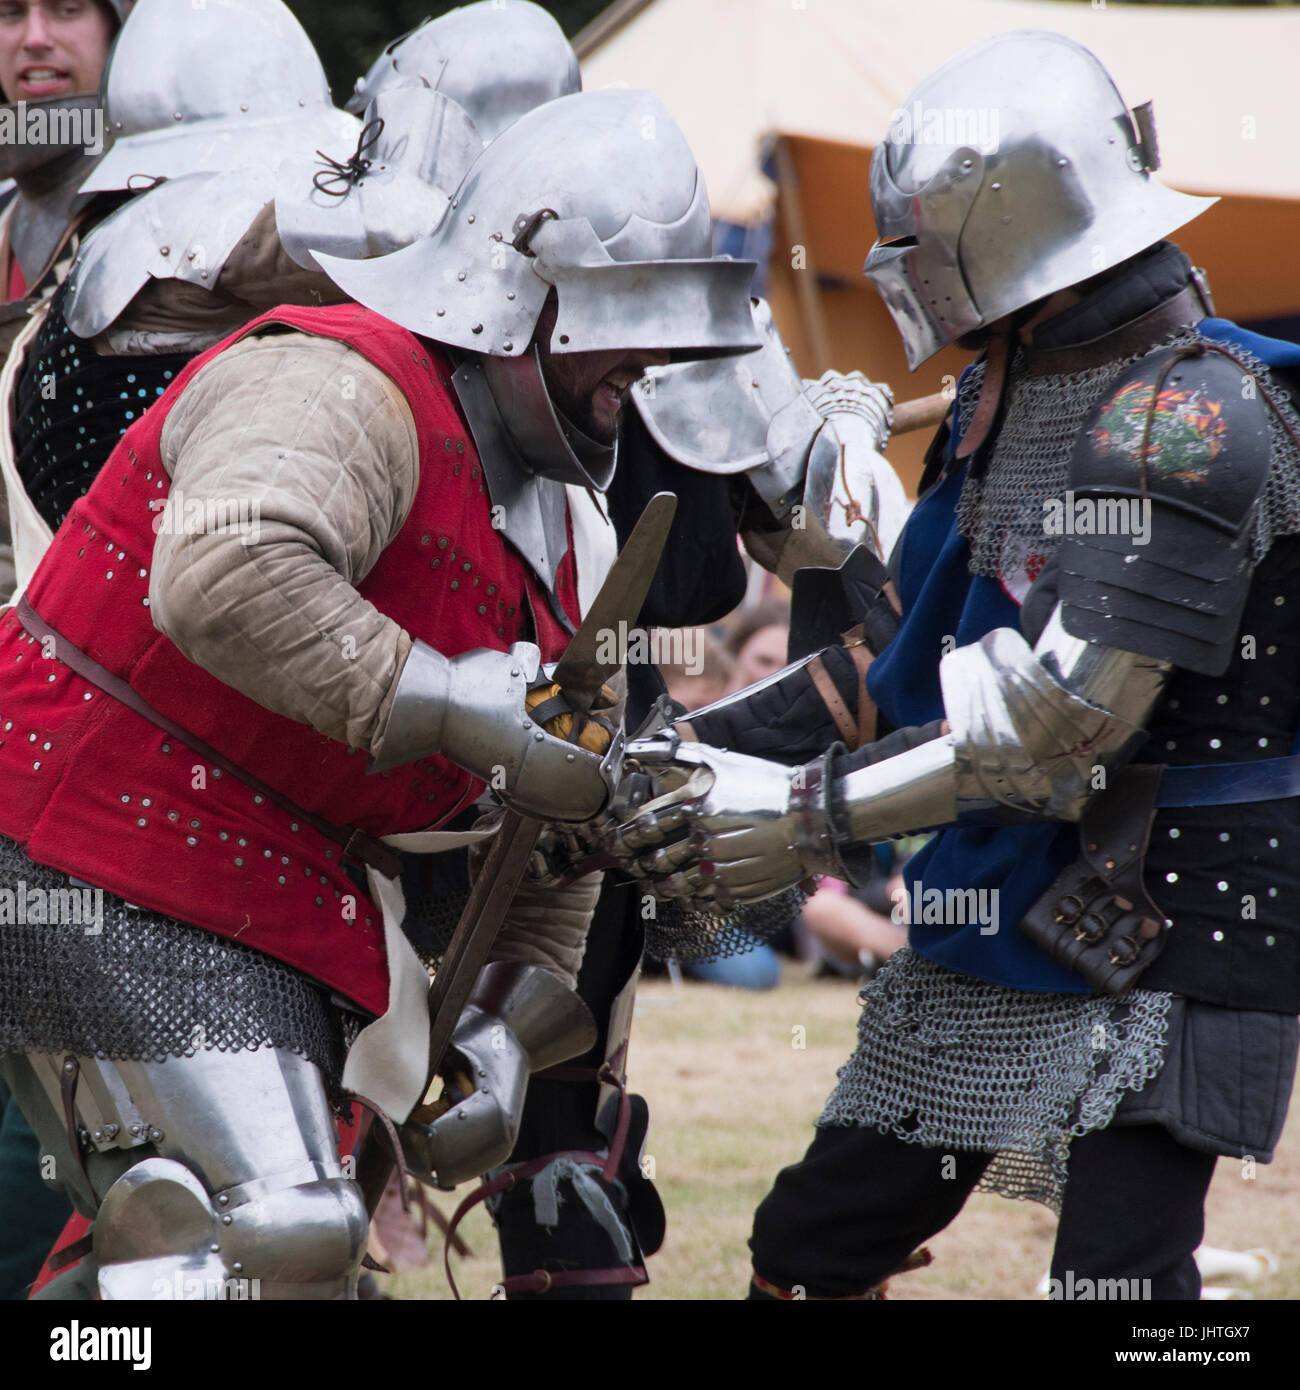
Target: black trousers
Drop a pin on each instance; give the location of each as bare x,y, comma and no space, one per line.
860,1202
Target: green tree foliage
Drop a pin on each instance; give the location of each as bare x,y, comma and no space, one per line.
349,34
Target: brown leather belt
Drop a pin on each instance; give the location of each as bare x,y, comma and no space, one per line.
356,844
996,361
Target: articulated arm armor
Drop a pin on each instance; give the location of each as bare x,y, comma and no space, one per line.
476,709
809,451
1152,573
1028,731
520,1019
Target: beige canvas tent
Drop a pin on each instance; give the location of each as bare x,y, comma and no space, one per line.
814,83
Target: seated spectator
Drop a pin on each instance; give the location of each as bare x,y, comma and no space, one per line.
758,641
699,682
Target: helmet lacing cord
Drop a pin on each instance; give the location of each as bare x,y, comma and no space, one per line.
328,179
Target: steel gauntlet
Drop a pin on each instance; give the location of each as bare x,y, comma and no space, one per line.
473,709
520,1019
1032,733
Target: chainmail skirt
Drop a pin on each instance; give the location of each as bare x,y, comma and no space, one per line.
145,987
950,1062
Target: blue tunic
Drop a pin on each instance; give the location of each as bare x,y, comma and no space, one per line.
945,605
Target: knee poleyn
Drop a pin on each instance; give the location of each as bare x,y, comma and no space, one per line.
161,1235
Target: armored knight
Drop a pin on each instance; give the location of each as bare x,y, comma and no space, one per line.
746,449
181,264
163,277
1090,692
50,67
407,555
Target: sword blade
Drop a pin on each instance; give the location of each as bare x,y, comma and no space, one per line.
579,672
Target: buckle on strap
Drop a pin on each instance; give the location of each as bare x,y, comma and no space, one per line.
365,849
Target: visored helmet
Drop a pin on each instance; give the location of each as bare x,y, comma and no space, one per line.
597,196
498,59
1014,170
197,88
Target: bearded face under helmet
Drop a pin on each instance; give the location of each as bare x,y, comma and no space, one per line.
1014,170
575,252
582,232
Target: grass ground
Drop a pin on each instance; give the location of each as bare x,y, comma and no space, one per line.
735,1081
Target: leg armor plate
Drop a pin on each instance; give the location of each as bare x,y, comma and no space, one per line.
239,1191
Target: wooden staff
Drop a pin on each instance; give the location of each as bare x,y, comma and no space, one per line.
925,412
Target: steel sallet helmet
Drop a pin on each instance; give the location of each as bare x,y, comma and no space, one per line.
755,415
597,196
1012,171
415,147
497,59
241,84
